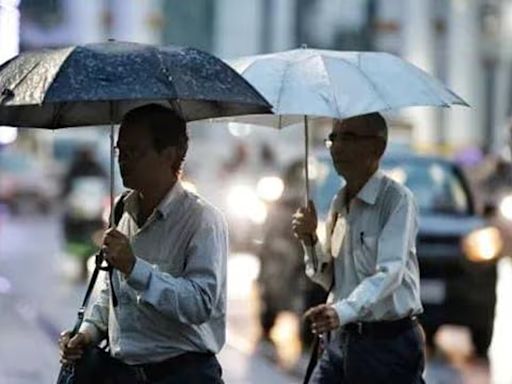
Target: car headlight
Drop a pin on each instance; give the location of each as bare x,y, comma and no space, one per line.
505,207
243,202
483,244
270,188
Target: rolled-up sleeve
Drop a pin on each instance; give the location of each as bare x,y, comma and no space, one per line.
318,265
394,244
317,259
191,297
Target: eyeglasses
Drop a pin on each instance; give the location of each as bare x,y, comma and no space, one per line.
347,137
130,153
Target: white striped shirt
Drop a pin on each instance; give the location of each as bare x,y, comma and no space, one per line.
174,300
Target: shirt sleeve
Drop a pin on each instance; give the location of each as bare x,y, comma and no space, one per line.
394,243
191,297
96,320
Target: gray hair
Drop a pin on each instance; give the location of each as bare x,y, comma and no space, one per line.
375,122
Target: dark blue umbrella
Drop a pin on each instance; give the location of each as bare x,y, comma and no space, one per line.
98,83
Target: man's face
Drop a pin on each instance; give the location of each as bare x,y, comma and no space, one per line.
355,147
140,164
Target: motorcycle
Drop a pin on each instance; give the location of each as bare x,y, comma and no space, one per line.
83,217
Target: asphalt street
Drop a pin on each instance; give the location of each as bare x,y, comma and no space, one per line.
39,297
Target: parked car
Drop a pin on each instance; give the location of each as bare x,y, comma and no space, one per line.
495,193
25,185
456,246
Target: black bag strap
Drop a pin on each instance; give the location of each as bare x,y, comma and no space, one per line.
315,350
118,213
313,359
317,345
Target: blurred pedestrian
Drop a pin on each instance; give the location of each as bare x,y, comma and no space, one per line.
169,254
237,161
370,264
83,164
267,157
281,277
283,286
84,179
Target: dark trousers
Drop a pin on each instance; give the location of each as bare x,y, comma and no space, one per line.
355,358
194,369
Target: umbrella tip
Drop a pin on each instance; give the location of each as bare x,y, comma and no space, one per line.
6,94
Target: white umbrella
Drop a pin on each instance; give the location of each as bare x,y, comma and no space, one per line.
309,83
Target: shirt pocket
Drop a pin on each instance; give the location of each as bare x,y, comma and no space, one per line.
365,252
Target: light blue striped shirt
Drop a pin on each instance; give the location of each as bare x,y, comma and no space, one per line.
174,300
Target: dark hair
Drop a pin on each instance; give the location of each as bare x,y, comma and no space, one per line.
167,129
376,122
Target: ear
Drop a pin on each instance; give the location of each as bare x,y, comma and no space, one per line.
169,154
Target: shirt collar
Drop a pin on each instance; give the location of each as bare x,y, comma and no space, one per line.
163,208
172,196
368,193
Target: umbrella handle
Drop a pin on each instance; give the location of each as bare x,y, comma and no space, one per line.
306,173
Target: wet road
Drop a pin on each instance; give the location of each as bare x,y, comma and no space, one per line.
38,299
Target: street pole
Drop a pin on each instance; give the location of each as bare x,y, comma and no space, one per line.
503,90
238,27
135,20
9,47
419,50
9,29
464,126
85,21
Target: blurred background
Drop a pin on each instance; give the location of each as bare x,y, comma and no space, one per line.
54,184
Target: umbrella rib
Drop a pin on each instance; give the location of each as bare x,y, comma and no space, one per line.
333,93
57,72
281,86
25,76
424,80
58,111
370,82
174,103
358,66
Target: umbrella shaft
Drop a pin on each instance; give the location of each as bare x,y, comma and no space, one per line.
306,157
112,156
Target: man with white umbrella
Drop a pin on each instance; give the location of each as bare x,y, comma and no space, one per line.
369,263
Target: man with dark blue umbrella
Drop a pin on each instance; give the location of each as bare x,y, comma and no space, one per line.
169,255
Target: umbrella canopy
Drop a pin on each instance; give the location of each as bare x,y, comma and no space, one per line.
310,83
336,84
98,83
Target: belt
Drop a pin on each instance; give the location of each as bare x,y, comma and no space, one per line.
155,371
381,329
